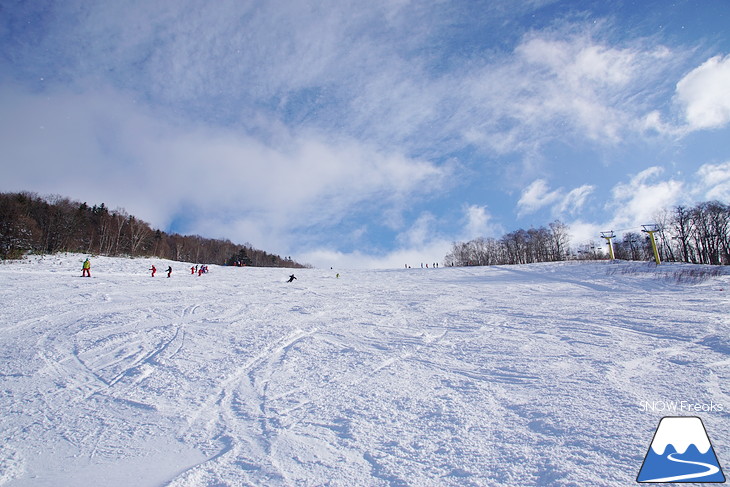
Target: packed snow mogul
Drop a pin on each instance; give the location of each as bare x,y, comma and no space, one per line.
169,270
153,269
86,268
291,278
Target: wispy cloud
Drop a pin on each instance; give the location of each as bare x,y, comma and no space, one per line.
567,86
421,243
358,70
642,198
637,201
479,222
538,195
117,149
299,126
714,182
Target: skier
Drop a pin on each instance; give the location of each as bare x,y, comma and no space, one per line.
153,269
169,270
291,278
192,270
86,268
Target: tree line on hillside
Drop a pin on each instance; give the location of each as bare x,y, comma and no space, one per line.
46,225
544,244
698,235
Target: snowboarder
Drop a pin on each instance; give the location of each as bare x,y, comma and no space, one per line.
291,278
153,269
86,268
169,270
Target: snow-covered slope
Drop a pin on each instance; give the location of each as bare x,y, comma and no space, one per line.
515,375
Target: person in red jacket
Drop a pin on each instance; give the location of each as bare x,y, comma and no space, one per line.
153,269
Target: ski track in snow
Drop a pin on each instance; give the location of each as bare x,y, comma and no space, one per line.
509,375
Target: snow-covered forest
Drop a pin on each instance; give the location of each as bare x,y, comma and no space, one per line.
31,223
551,374
698,235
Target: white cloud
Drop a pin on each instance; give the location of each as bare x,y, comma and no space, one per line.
714,182
653,122
632,204
704,94
538,195
574,201
646,195
636,202
563,86
102,147
285,122
360,70
421,232
432,252
478,222
422,242
582,232
580,62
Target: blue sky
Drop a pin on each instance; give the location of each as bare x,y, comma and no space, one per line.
373,134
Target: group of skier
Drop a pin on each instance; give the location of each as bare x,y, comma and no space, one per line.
86,269
200,270
154,269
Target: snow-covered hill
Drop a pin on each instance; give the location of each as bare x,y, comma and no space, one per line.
550,374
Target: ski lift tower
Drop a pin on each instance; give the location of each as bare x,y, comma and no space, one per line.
651,229
608,236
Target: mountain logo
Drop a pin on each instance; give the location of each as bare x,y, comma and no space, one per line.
681,452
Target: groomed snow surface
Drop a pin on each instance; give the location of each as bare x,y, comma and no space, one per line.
510,375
